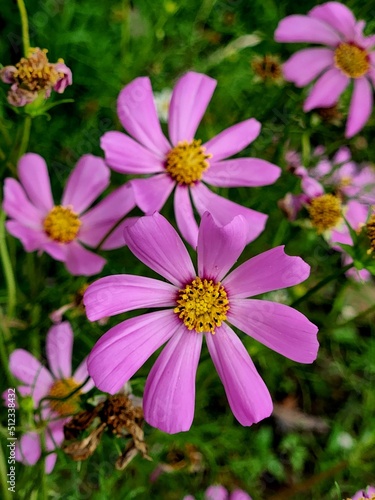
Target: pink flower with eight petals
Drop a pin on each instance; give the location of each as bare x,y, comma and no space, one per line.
60,230
40,383
183,163
196,304
348,56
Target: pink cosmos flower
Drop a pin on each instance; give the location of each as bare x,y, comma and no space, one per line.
367,493
196,304
218,492
183,163
347,56
62,230
39,383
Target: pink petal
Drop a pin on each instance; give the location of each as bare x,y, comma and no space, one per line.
327,90
81,262
239,495
247,394
81,374
219,246
356,214
28,450
150,194
137,113
124,292
87,181
267,271
311,187
156,243
277,326
31,239
59,347
189,101
169,395
17,206
338,16
56,250
305,65
360,107
50,462
233,140
126,347
185,219
54,439
98,221
297,28
33,174
223,210
242,172
116,238
127,156
216,492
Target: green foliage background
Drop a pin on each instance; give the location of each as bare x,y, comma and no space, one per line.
107,44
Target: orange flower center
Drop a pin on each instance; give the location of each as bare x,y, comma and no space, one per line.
351,60
62,224
187,161
325,212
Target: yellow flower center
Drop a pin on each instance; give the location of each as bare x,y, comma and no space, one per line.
370,231
325,212
202,305
64,405
186,162
62,224
35,72
351,60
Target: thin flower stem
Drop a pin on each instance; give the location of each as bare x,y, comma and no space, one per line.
108,234
7,267
3,474
25,26
321,284
25,136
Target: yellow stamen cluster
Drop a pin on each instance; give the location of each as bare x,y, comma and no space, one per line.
187,161
35,72
267,67
370,231
325,212
202,305
62,224
371,497
64,405
351,60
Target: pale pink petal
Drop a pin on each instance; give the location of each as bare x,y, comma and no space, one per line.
31,239
216,492
81,374
55,249
327,90
169,395
28,370
297,28
81,262
87,181
242,172
239,495
127,156
185,219
126,347
271,270
116,238
33,174
98,221
247,394
233,139
50,462
150,194
356,214
28,449
311,187
156,243
307,64
338,16
223,210
277,326
125,292
17,206
219,246
54,439
59,347
341,235
360,107
137,112
189,101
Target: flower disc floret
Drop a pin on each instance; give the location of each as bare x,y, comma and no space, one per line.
62,224
35,72
325,212
64,405
187,161
370,230
351,60
202,305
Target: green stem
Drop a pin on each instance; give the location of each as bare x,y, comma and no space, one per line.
7,267
321,284
3,474
25,136
108,234
25,27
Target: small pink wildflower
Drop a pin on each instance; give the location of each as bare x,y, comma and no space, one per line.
183,163
218,492
196,305
366,494
60,230
347,56
39,383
